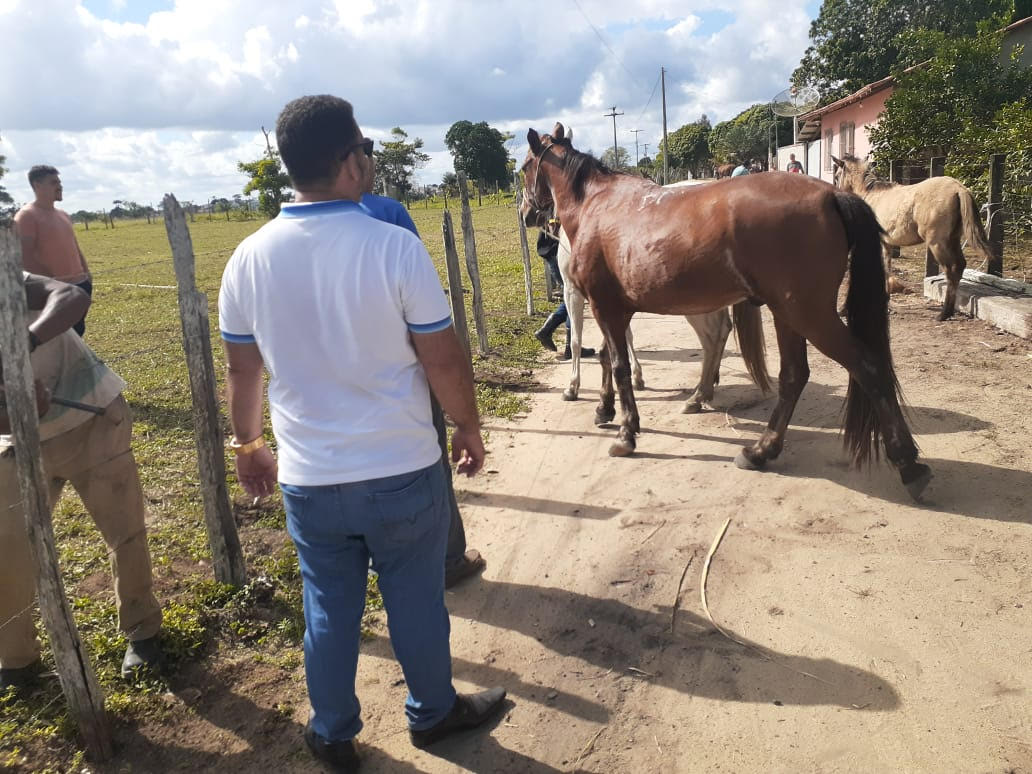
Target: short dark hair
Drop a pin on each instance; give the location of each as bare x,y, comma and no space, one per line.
313,134
40,171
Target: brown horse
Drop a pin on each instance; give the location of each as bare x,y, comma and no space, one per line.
724,170
778,239
938,211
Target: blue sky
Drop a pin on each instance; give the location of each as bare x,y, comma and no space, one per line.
134,98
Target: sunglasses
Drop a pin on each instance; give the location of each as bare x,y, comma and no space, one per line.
365,144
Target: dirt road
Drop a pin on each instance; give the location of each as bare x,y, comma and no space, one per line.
887,636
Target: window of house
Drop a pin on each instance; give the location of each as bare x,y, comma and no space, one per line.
829,135
847,132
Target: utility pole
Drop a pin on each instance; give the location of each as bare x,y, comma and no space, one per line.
636,132
666,153
616,152
646,146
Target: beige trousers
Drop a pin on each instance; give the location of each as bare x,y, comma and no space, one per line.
96,458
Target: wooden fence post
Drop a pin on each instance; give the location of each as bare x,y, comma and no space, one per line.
996,212
458,303
525,248
227,556
469,246
78,680
936,168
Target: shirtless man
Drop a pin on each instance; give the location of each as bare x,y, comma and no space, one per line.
48,243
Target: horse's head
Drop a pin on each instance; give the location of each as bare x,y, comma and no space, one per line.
851,174
537,203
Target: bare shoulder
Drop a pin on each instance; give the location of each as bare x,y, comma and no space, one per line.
27,214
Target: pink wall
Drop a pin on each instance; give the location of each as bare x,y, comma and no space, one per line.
863,114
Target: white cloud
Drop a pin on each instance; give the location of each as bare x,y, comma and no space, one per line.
135,109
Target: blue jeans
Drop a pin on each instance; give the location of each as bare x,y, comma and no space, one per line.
402,523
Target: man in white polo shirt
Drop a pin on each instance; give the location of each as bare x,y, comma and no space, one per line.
347,315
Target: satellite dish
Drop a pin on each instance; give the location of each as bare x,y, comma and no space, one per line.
794,101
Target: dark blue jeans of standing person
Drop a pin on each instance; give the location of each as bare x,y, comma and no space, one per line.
87,285
552,267
401,522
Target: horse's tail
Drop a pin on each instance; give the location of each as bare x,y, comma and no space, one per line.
867,315
973,231
749,331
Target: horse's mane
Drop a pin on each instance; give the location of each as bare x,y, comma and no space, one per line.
579,167
871,180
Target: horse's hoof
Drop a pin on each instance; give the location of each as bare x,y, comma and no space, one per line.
915,478
745,463
945,315
639,383
621,449
691,408
604,417
569,395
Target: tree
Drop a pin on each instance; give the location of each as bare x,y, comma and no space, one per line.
856,42
622,160
6,202
450,183
941,107
398,160
746,136
84,217
689,147
268,179
479,151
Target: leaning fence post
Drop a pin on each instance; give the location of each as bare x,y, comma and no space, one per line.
458,303
996,212
527,280
78,680
469,246
936,168
227,557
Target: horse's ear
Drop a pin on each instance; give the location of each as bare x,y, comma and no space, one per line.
569,134
558,132
838,162
535,142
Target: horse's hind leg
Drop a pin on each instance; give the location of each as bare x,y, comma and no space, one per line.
606,409
639,379
794,374
950,256
712,330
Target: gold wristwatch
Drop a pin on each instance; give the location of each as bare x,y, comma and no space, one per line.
246,448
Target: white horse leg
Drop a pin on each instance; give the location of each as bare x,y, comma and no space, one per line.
639,380
575,320
712,330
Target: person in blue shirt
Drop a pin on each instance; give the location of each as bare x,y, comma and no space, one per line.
459,563
740,170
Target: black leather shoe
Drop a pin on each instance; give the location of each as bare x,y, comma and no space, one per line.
341,756
469,711
472,563
141,656
19,677
544,337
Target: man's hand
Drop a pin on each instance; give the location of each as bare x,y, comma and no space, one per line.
467,449
257,472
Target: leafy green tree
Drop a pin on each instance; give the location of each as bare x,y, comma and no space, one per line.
450,183
85,217
937,108
689,147
398,159
856,42
269,180
6,202
479,151
746,136
621,161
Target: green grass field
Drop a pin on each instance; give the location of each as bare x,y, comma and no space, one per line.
136,329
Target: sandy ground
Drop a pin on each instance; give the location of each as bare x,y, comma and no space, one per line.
884,636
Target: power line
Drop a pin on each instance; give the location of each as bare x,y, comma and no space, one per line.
653,94
605,43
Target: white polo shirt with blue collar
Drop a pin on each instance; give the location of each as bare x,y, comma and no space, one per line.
330,295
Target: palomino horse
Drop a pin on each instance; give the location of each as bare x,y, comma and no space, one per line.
938,211
711,328
780,239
